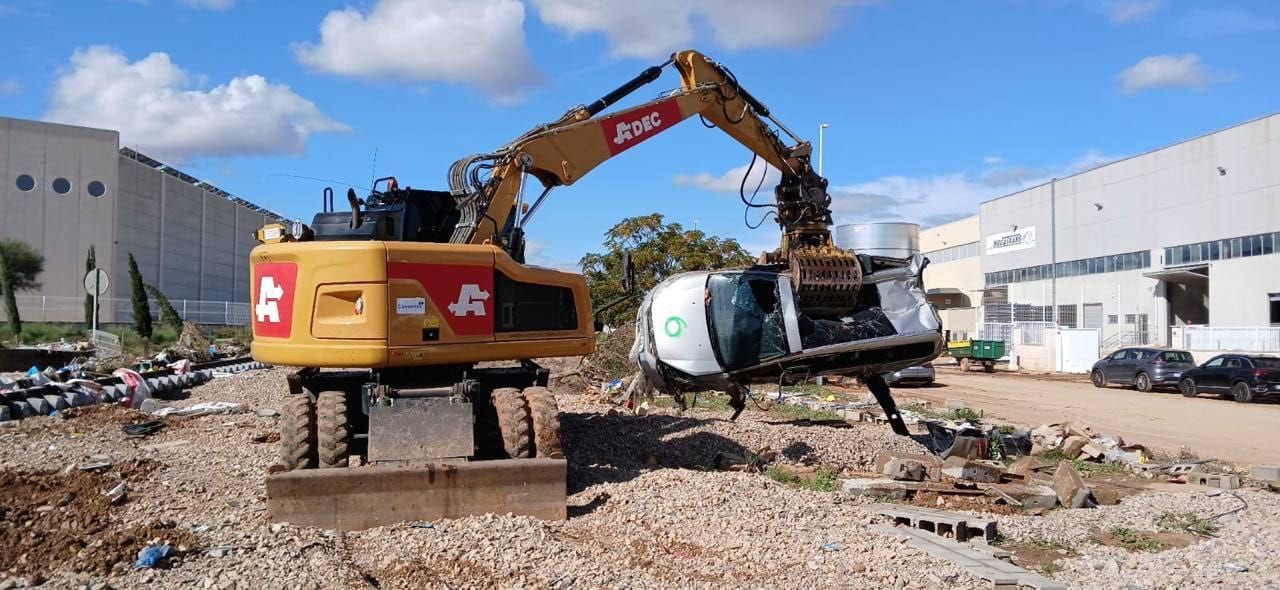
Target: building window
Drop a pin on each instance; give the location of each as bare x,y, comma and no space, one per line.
96,189
1113,319
1071,268
61,185
26,183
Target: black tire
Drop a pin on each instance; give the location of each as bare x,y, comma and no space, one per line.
989,367
1098,378
333,430
297,433
1142,383
1241,392
1187,387
513,422
544,416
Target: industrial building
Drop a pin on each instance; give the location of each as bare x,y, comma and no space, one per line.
1179,246
67,188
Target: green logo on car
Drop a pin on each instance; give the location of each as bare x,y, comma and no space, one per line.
674,326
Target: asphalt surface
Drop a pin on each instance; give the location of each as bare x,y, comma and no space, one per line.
1208,425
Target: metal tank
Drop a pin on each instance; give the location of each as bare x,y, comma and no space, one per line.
893,239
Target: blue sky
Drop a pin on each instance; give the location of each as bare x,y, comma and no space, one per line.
934,105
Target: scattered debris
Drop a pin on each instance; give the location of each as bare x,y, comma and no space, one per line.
200,409
1069,486
153,556
1214,480
143,429
982,564
944,523
971,470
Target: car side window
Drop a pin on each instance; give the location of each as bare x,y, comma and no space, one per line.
1217,362
1233,363
1145,354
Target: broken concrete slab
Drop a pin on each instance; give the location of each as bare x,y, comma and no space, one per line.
945,523
1106,496
1073,445
999,572
932,464
876,488
1069,486
1029,497
970,470
1221,481
1025,466
1092,452
905,470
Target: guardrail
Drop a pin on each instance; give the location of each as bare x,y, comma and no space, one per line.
45,308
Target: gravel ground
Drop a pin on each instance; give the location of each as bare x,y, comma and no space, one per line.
644,512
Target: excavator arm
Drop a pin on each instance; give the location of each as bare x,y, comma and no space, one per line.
489,189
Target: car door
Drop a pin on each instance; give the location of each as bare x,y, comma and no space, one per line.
1236,368
1211,375
1120,369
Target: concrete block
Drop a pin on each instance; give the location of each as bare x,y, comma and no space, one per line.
932,464
1265,472
40,406
1106,496
970,470
74,399
1029,497
1092,451
154,385
5,414
21,409
1069,486
1214,480
905,469
1073,445
944,523
58,402
876,488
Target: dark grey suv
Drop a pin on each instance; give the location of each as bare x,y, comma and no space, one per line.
1143,368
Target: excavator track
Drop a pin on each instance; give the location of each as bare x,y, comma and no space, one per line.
826,280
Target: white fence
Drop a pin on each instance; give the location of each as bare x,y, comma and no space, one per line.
1242,339
41,308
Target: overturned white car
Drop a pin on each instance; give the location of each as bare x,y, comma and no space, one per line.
723,330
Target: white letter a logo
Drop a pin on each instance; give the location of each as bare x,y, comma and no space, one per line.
470,300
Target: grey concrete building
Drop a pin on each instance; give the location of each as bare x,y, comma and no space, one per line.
1145,247
65,188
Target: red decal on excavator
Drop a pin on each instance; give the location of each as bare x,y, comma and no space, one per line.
462,293
624,130
273,286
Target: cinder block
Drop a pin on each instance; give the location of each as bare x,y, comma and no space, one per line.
1214,480
40,406
58,402
1265,472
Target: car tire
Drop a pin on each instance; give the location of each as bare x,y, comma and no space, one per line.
1187,388
1099,378
1142,382
1240,392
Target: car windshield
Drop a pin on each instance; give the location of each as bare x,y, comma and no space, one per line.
746,316
1176,356
1266,363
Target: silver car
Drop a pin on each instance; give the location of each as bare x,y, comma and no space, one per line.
916,375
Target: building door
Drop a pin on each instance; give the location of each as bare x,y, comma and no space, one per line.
1092,316
1274,300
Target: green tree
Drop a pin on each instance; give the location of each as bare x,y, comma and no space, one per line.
10,301
141,310
24,264
168,315
90,263
658,250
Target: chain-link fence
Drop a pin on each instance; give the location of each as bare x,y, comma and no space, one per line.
114,310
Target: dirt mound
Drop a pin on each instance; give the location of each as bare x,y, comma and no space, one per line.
64,522
103,416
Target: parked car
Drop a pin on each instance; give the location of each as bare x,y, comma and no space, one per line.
1143,368
1243,377
917,375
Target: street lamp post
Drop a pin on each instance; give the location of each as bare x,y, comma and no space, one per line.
820,130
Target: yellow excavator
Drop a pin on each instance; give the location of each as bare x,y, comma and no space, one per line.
395,310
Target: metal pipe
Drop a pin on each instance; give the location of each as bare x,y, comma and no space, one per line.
1053,247
534,208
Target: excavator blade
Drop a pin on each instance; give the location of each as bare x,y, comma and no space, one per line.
350,499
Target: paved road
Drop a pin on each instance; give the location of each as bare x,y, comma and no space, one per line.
1212,427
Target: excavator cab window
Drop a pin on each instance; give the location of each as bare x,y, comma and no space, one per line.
408,215
746,318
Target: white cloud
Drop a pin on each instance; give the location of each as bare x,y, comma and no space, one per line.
992,160
153,103
655,28
10,86
1168,71
928,200
476,42
218,5
1130,11
731,181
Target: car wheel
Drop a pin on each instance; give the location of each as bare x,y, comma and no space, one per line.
1142,382
1241,392
1099,379
1187,387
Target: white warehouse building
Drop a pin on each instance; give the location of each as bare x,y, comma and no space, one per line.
1142,248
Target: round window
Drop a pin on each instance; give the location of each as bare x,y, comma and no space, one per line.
97,189
26,183
61,186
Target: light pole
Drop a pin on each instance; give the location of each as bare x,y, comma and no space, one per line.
820,130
